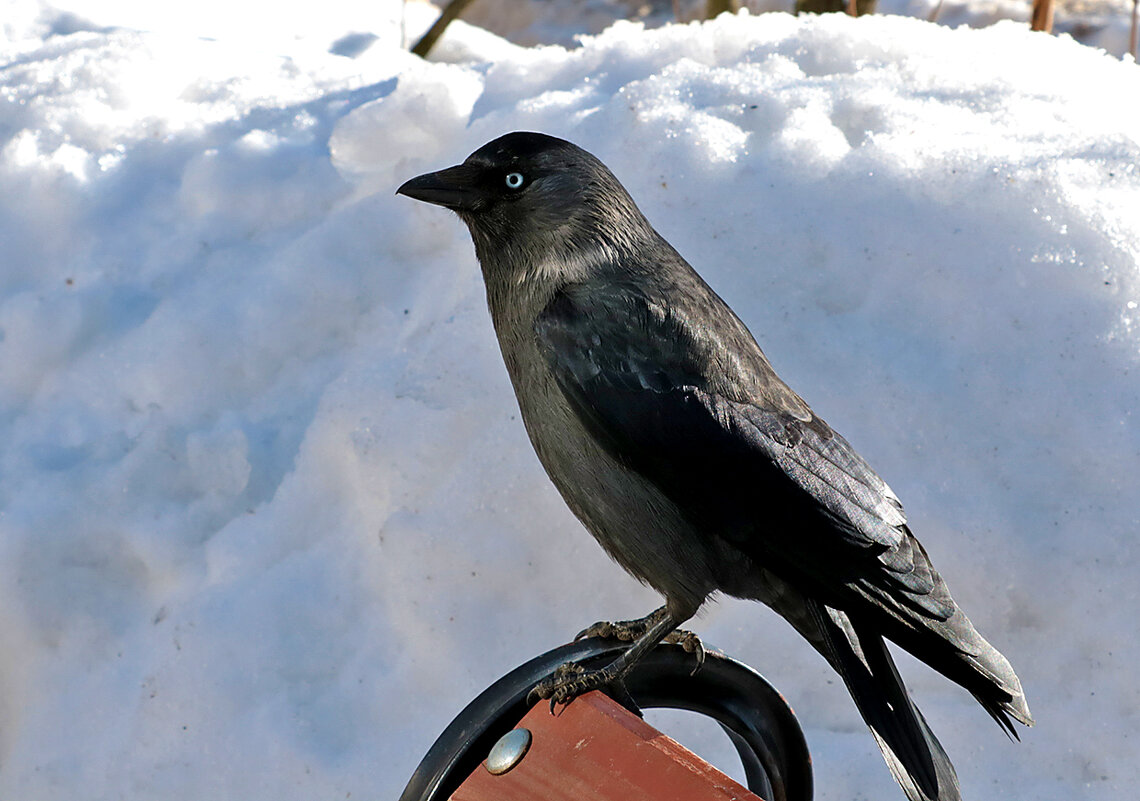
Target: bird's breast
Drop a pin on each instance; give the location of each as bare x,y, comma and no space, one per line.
632,519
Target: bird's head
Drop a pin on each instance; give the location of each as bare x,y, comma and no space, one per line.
530,199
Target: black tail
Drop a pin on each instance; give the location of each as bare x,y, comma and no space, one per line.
911,750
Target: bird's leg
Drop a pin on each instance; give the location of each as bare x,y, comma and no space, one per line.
630,630
571,680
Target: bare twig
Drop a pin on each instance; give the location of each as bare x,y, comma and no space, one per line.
1135,25
855,9
716,7
450,12
1042,19
934,14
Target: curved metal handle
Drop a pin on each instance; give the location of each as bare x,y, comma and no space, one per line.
755,716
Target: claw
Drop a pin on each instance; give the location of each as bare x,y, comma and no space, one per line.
559,688
623,630
692,645
567,683
571,680
602,629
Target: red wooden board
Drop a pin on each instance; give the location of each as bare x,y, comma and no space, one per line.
596,750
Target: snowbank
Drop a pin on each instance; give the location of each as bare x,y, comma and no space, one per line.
267,516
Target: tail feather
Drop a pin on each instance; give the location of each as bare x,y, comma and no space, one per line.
964,656
912,752
1003,698
950,644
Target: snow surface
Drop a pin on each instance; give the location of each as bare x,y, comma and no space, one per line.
1097,23
268,518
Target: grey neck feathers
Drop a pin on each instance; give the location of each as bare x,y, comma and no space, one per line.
525,264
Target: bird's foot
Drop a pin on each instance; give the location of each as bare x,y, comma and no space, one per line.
691,643
571,680
624,630
631,630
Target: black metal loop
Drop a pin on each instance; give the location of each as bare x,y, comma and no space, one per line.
755,716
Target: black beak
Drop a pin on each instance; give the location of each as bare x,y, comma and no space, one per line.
455,188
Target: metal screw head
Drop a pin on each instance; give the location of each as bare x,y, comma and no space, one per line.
508,751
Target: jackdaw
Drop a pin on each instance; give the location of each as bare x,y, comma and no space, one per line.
670,436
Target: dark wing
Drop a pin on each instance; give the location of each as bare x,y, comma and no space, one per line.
681,393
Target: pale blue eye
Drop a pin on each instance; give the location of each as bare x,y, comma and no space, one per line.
514,180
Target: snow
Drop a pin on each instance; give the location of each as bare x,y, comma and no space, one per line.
268,518
1099,23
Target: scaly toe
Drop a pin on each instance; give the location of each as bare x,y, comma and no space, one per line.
567,683
691,643
602,629
622,630
553,687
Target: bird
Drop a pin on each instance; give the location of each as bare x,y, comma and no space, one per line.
670,436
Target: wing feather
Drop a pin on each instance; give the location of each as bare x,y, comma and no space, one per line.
701,413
